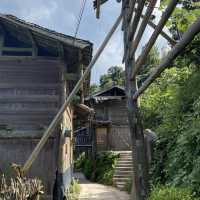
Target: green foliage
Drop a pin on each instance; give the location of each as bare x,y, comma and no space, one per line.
105,165
152,60
114,76
74,190
170,193
79,162
93,88
104,170
171,106
88,168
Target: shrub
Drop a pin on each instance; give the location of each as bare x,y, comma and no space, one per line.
79,163
170,193
104,170
88,168
105,165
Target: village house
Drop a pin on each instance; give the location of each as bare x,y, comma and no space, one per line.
111,120
38,69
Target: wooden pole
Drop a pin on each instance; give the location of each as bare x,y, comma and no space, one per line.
136,20
188,36
143,25
58,116
154,36
98,9
139,176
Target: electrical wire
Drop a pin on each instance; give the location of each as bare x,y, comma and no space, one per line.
79,19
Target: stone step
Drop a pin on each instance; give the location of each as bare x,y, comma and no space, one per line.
122,172
124,162
120,179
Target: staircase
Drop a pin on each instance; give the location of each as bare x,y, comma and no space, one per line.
123,170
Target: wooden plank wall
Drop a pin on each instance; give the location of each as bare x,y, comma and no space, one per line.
29,92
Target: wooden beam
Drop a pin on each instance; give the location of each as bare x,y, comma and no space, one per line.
188,36
165,16
142,28
34,44
162,33
131,29
136,20
98,9
59,115
61,51
16,49
2,38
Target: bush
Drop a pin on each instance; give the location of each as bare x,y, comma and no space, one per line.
170,193
105,165
79,163
88,168
104,170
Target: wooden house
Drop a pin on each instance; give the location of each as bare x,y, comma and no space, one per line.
111,120
38,69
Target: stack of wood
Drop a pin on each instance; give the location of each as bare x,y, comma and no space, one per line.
20,189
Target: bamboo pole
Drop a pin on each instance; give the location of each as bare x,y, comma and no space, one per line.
140,61
58,116
188,36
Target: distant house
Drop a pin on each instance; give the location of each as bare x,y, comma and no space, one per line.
111,120
38,69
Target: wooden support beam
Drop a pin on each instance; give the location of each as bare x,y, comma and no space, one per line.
165,16
136,133
131,5
98,9
188,36
135,43
2,38
136,20
59,115
16,49
61,52
131,29
162,33
34,44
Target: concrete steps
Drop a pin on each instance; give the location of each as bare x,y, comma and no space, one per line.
123,170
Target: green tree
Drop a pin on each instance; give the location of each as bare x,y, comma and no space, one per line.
151,62
114,76
93,88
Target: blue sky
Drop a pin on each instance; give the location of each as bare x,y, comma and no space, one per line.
61,15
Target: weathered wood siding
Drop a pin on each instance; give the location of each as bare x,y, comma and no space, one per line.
30,96
115,111
18,150
29,93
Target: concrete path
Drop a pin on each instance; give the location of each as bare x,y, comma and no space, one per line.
94,191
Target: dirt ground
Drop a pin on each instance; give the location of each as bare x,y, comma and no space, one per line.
94,191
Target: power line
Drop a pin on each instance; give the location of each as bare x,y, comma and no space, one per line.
79,18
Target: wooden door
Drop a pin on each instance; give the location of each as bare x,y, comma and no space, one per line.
102,138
